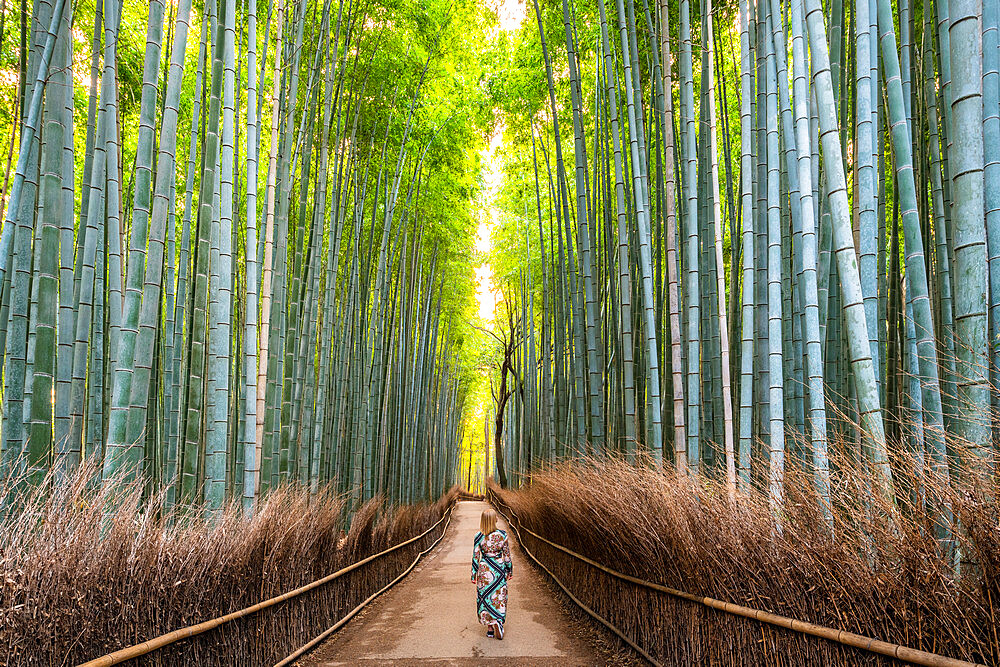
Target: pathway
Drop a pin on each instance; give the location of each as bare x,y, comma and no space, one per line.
430,617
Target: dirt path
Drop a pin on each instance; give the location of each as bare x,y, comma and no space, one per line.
430,617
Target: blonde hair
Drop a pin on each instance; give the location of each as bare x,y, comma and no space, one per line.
488,522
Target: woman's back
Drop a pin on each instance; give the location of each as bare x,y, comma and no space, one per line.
493,543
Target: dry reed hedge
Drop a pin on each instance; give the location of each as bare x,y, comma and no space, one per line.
877,573
69,593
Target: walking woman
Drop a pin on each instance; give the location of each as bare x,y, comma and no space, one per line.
491,570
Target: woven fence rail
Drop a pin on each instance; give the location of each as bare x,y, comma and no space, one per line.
669,626
293,619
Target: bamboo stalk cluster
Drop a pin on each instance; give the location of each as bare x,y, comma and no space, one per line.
779,236
212,326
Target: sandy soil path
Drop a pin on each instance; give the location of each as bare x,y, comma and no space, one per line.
430,617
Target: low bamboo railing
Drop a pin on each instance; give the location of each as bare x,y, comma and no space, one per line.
148,646
903,653
318,639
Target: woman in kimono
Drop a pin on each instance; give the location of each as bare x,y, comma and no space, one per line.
491,570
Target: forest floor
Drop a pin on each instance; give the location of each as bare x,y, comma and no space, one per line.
429,618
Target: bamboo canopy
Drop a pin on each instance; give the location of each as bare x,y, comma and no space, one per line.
739,239
784,201
236,279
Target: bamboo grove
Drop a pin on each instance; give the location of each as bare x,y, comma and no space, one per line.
245,277
756,235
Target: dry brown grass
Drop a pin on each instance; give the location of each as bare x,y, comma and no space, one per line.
69,593
878,573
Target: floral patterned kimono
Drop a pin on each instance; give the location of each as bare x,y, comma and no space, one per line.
491,565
